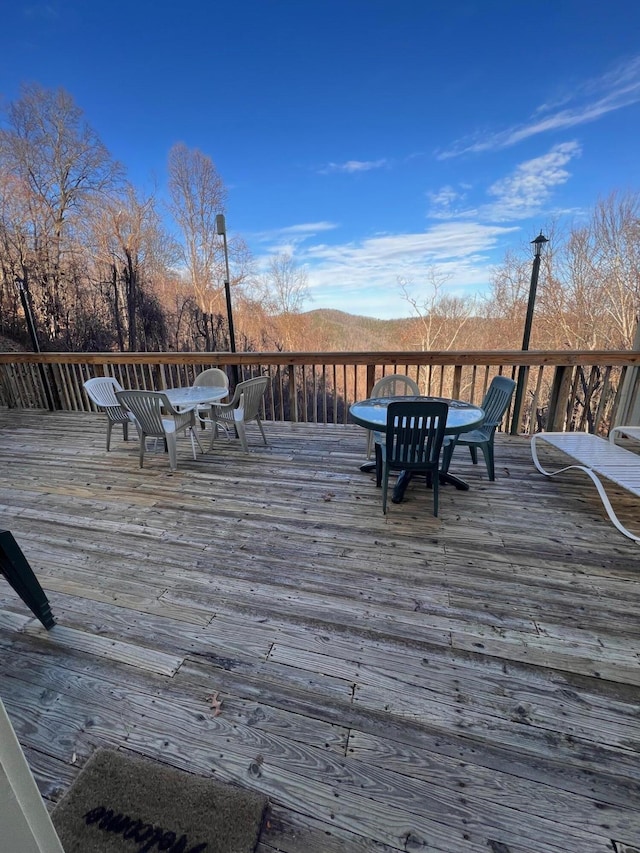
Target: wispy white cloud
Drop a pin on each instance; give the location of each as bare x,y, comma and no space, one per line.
298,232
362,276
288,238
306,228
352,166
528,188
444,199
517,196
595,98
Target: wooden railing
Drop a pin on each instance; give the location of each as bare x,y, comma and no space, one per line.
572,390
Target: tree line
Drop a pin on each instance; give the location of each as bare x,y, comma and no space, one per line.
99,269
94,257
588,294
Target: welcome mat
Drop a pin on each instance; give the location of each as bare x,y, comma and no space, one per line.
120,804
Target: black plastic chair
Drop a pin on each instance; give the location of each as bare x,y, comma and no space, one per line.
495,404
412,443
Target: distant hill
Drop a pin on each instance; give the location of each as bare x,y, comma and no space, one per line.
337,330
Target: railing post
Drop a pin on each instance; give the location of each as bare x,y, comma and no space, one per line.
556,414
457,381
371,379
523,378
293,395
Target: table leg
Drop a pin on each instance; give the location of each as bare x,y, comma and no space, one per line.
405,477
446,477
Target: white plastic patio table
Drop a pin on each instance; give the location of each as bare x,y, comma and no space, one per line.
190,397
186,399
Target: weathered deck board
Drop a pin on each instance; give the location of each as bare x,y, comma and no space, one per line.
460,684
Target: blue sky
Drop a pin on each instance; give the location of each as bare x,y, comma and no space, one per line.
373,139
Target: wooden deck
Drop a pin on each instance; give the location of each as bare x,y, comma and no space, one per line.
463,684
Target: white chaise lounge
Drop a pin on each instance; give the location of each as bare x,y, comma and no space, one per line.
629,431
597,457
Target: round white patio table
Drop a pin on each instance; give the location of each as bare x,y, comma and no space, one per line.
191,397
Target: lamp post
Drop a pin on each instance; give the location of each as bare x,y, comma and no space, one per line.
221,228
538,243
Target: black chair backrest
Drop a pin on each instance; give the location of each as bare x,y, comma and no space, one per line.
496,402
415,431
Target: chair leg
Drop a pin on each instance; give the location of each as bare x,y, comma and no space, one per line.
216,427
436,492
193,435
385,485
125,430
378,452
173,451
369,444
143,441
264,437
473,450
109,428
447,453
242,435
214,434
487,450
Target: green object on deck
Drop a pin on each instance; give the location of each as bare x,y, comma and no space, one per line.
495,405
18,572
413,439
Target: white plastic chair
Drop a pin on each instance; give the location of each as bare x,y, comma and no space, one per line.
394,385
102,391
242,408
156,418
213,377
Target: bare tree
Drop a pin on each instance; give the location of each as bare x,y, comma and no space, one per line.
441,318
61,167
197,196
590,284
283,290
285,285
616,226
132,249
